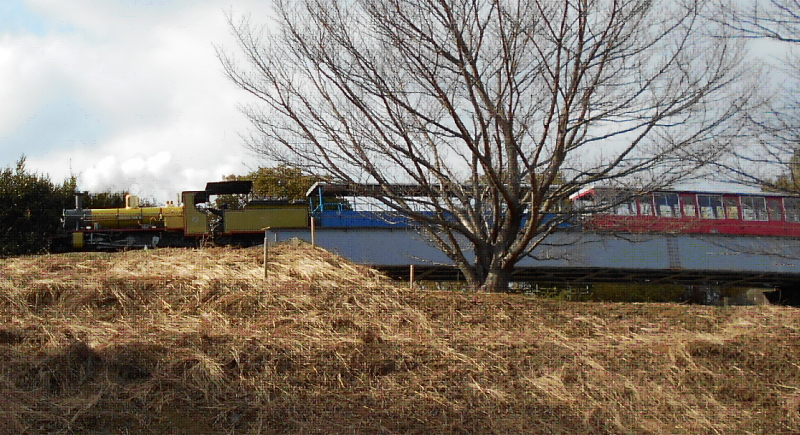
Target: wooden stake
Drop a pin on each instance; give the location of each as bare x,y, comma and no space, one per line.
313,233
266,243
411,276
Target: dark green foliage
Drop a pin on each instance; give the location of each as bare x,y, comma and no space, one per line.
110,199
789,181
105,200
281,182
30,209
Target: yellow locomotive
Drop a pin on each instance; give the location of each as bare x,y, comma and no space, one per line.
188,223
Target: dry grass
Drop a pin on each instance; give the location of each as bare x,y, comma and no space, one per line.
197,342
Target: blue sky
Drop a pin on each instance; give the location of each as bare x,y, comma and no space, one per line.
17,17
125,94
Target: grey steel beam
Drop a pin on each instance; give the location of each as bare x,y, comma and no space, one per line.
573,256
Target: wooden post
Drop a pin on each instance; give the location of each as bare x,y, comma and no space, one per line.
411,276
266,243
313,233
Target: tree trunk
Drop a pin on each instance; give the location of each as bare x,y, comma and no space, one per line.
497,280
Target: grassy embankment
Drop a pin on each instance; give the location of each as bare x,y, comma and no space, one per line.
197,342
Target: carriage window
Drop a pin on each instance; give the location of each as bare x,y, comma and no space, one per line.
645,206
774,209
731,207
626,208
688,206
754,208
583,204
667,204
613,202
792,206
710,206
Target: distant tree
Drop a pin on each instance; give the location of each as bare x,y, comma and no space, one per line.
110,199
105,200
789,180
30,209
281,182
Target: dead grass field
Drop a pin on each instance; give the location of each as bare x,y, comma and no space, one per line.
197,342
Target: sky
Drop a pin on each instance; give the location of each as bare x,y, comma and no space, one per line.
124,94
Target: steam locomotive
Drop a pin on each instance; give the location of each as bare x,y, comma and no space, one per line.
194,222
189,223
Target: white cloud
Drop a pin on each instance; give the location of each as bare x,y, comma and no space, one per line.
133,166
124,94
157,163
99,174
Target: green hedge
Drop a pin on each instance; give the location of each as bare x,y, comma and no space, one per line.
30,209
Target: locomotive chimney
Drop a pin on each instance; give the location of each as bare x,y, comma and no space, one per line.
79,200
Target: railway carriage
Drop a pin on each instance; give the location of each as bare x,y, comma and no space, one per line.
692,212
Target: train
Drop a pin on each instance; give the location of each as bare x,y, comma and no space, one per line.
688,212
190,222
193,221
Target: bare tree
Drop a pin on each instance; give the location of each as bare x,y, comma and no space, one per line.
495,110
773,19
773,158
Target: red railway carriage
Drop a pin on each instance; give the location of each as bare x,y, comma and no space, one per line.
695,212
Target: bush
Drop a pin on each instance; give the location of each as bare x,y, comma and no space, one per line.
30,209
